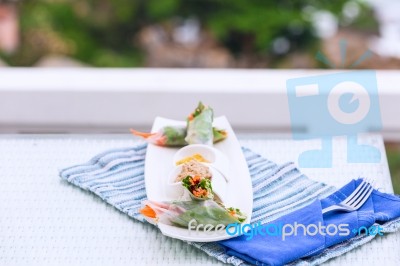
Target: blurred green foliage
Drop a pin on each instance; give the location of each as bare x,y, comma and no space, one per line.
104,32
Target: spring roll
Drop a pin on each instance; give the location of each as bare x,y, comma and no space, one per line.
199,126
181,213
167,136
170,136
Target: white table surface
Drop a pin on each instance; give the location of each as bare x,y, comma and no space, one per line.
45,221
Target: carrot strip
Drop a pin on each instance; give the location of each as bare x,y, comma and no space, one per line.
148,212
142,134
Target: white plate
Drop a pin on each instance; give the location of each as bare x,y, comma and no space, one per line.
239,189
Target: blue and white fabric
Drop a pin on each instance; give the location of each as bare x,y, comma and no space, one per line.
117,177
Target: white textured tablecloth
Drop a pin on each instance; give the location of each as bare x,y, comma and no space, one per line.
45,221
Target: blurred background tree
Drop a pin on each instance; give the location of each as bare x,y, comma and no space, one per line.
181,33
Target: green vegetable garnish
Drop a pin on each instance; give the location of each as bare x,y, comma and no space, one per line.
198,187
237,214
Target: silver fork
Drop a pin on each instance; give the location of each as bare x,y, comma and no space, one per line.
355,200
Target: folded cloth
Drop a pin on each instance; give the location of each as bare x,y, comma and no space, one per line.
307,232
117,177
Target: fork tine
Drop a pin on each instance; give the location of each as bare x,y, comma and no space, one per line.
352,195
363,198
359,194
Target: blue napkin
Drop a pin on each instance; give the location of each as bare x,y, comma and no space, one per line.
276,243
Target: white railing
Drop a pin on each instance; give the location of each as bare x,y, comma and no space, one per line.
111,100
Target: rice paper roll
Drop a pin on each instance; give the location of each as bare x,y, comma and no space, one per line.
168,136
181,213
205,212
199,126
173,136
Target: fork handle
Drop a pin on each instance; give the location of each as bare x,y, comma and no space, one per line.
333,208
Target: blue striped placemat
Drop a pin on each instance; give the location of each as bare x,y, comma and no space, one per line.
117,176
